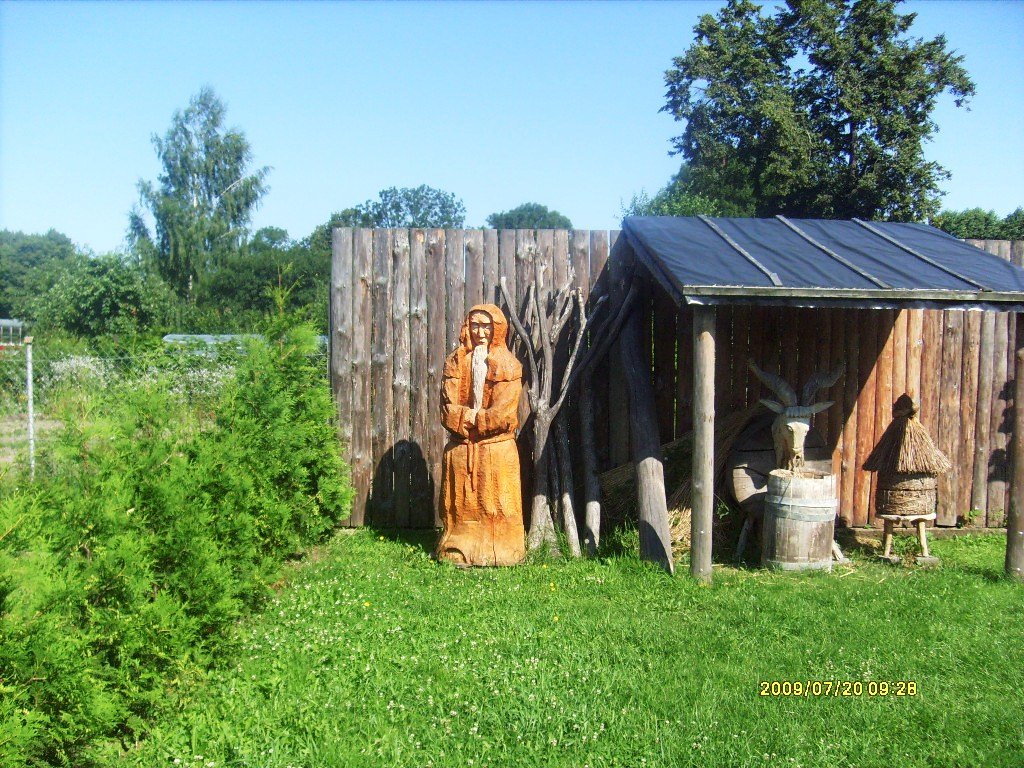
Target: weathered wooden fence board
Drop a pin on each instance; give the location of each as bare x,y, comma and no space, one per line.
340,336
381,510
474,269
422,418
1002,418
455,284
401,378
964,459
362,332
663,330
818,357
883,385
837,355
862,501
947,435
437,349
618,416
983,418
915,350
598,282
492,269
398,299
850,389
931,355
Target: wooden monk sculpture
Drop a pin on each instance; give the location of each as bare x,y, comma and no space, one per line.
481,499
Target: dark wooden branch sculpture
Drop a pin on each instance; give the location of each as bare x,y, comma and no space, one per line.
549,312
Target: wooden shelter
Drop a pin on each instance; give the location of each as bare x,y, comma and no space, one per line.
398,296
711,264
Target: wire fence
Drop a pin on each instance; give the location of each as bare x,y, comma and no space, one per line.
196,374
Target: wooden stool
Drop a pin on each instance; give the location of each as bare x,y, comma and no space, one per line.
918,521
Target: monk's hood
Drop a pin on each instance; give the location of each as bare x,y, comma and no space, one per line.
500,334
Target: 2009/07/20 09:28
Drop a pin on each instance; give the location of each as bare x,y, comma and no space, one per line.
837,688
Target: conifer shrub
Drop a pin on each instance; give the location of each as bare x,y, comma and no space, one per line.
156,520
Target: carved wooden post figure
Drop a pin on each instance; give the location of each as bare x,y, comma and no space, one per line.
801,504
481,499
789,430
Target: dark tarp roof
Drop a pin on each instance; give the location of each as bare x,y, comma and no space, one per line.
818,262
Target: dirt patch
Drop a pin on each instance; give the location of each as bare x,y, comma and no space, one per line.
14,435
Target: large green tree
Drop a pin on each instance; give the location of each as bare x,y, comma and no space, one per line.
29,266
203,200
107,294
269,265
820,109
529,216
420,206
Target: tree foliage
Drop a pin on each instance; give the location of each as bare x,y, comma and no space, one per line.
676,199
152,525
420,206
105,295
979,224
243,288
204,198
818,110
29,267
529,216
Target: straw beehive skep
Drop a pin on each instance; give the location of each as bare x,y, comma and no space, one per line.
905,447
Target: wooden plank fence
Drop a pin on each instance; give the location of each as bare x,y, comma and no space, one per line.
398,299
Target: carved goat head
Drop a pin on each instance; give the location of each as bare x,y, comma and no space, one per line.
790,428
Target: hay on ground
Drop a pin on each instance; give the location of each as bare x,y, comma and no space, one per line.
618,485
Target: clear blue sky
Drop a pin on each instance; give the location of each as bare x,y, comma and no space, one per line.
500,103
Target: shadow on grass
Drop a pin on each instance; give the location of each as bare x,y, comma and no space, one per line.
851,543
423,539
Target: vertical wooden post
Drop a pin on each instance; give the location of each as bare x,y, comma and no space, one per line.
421,410
968,415
983,416
401,378
851,392
381,510
655,538
492,272
474,283
868,356
703,442
618,417
340,338
1015,520
437,348
362,326
455,284
948,437
883,391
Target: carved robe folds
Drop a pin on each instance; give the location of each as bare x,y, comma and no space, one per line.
481,498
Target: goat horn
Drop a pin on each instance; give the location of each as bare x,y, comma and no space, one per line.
820,380
776,384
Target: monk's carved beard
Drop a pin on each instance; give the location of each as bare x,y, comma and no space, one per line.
479,375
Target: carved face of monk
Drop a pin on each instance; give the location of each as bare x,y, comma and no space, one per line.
481,329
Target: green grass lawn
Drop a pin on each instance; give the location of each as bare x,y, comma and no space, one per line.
374,655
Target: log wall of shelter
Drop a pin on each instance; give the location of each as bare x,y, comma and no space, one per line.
398,298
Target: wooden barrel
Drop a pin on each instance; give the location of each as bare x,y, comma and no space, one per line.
906,494
799,521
